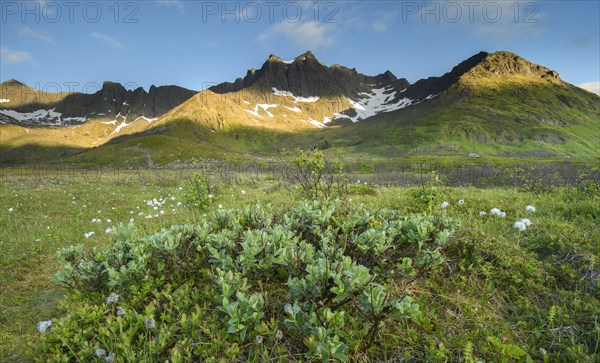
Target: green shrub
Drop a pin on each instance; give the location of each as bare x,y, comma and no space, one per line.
317,282
318,177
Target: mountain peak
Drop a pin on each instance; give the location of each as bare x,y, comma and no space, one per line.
505,63
12,82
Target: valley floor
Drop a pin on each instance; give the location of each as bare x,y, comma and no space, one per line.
500,291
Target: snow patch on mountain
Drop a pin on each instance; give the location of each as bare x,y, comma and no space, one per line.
41,118
378,101
297,99
316,123
264,106
294,109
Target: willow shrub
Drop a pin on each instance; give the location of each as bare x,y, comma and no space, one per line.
316,282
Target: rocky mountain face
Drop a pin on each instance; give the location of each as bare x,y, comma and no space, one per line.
25,106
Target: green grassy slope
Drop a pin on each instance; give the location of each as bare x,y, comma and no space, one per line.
505,106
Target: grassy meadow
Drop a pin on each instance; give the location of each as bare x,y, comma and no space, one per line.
500,295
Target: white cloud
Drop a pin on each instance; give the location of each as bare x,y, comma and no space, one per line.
307,35
106,40
27,32
11,56
175,3
593,87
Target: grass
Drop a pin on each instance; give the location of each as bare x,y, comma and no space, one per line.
534,289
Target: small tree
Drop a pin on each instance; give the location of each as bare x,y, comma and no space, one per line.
318,177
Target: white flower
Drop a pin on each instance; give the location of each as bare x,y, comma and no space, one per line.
140,214
279,335
130,212
150,323
502,214
162,212
89,234
220,206
156,215
120,312
10,209
461,202
110,358
100,353
131,220
482,213
109,230
43,326
210,196
178,204
445,205
495,211
112,298
543,351
350,200
520,226
259,339
108,221
243,192
530,208
526,222
358,182
180,188
155,208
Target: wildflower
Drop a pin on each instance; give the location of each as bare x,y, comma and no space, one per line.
180,188
89,234
131,220
258,339
140,214
543,351
109,230
100,353
279,335
502,214
162,212
350,200
108,221
210,196
220,206
150,323
112,298
445,205
120,312
110,358
43,326
482,213
179,204
10,209
526,222
130,212
243,192
495,211
461,202
530,208
520,226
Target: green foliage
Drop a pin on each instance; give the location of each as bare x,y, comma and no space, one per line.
318,177
319,281
197,192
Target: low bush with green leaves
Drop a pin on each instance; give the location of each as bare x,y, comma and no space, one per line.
320,281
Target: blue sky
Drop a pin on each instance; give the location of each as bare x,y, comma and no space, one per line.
199,43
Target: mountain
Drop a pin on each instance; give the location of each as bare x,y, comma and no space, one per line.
23,105
493,104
